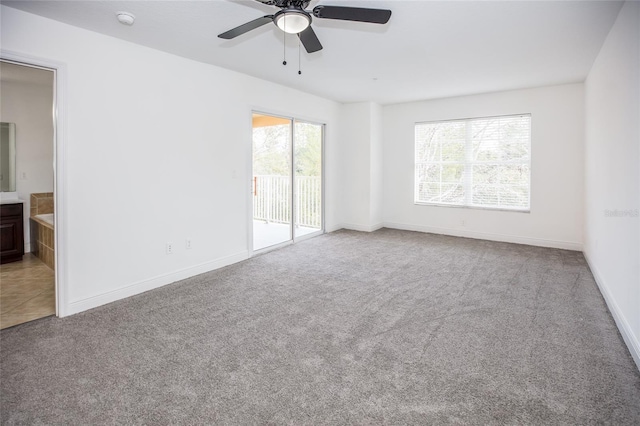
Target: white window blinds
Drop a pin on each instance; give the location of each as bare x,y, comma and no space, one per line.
478,162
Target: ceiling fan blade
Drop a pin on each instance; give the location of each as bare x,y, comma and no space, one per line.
310,40
375,16
245,28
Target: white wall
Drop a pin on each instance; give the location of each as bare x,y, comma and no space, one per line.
29,106
362,166
376,169
612,173
356,163
157,150
557,132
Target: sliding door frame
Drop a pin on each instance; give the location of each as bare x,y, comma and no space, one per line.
293,160
293,238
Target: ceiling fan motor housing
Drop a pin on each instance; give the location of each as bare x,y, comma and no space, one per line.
302,4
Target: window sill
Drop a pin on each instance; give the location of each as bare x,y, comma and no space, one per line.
457,206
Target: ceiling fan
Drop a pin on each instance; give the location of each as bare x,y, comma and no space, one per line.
294,19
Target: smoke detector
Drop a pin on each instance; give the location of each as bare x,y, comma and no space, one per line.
126,18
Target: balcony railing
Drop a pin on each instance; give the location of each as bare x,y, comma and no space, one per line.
272,200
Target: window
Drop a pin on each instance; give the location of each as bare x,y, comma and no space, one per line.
477,162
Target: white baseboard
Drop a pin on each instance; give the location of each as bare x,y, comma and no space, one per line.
361,228
567,245
621,321
152,283
333,228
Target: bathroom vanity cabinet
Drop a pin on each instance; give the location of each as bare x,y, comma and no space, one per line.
11,232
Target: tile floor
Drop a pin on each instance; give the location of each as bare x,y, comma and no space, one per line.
27,291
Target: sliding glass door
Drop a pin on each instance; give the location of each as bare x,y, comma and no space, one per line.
287,180
307,160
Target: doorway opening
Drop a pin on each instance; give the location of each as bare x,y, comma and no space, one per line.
287,189
27,177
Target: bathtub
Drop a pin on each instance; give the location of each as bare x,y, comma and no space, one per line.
46,218
43,238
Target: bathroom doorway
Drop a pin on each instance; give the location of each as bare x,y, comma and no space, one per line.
27,177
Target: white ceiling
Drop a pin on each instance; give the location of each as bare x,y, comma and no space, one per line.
429,49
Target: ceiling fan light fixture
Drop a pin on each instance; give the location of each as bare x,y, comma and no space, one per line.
292,21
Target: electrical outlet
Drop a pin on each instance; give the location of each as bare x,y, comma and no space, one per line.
169,248
187,244
463,223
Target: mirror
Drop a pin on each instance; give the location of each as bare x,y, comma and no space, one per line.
7,157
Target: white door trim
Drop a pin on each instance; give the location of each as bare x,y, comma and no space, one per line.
59,166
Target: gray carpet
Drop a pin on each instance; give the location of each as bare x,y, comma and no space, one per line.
392,327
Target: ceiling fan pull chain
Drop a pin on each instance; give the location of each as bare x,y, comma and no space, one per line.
299,71
284,43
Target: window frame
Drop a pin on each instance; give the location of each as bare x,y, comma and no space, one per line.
465,183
